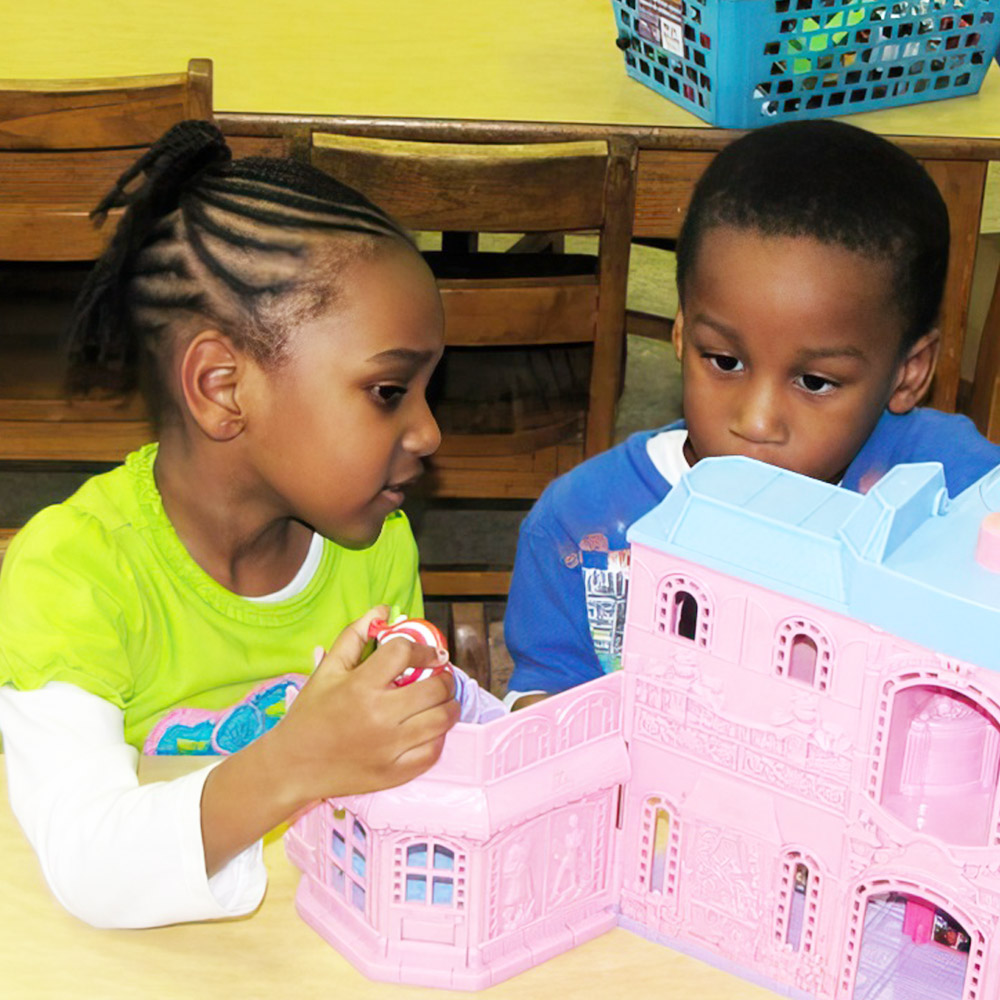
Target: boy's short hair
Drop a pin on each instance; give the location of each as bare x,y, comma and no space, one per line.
840,185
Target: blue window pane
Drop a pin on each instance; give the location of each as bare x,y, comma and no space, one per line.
338,844
358,896
442,892
416,889
337,878
358,863
443,858
359,833
416,856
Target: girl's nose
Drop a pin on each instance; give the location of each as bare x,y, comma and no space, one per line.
423,436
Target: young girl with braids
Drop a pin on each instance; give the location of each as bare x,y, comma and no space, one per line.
286,329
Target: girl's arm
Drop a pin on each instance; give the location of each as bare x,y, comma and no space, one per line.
348,731
115,854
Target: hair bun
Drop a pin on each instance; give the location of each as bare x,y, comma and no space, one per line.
178,156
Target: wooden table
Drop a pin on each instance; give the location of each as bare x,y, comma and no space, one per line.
45,954
526,69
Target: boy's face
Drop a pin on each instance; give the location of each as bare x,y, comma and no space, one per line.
790,351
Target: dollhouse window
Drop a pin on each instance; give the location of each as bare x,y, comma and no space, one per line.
433,875
659,853
798,903
684,610
349,857
803,653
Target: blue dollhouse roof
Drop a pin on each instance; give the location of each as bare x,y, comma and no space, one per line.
901,557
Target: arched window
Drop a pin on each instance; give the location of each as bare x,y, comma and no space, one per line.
430,874
659,855
798,903
941,764
684,610
349,857
803,652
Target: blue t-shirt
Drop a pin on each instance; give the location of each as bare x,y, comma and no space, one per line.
566,612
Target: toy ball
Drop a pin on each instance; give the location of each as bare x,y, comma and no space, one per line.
413,630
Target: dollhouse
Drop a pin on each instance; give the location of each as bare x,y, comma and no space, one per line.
794,776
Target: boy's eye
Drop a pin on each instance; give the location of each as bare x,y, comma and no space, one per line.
388,394
724,362
816,384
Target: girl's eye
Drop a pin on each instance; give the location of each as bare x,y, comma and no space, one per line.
817,385
724,362
387,394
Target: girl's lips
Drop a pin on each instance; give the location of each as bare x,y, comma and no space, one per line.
396,492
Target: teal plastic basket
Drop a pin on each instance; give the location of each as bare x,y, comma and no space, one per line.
748,63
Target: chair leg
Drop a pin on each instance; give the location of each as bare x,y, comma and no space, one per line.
471,652
501,664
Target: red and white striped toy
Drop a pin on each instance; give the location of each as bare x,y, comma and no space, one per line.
417,630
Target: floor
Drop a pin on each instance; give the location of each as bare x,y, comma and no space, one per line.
892,967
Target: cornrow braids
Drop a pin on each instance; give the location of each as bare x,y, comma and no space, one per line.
208,237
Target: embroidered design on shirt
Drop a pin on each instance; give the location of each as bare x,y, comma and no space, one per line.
605,584
201,732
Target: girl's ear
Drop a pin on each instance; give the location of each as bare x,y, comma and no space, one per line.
210,376
913,378
677,333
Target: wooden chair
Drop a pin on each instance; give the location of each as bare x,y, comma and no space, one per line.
495,302
63,143
984,405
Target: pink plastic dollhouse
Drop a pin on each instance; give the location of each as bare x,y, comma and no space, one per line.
794,776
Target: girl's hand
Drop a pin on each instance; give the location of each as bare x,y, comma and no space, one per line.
350,730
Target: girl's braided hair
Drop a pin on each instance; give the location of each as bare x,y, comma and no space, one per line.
208,236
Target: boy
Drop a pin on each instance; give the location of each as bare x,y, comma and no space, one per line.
810,270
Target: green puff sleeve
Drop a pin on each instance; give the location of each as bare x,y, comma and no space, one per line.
68,601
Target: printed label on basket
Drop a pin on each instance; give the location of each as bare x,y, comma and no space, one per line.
660,22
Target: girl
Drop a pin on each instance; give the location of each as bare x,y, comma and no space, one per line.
286,329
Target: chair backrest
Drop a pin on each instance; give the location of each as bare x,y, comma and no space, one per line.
984,406
63,143
577,186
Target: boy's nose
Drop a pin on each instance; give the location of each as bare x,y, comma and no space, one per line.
759,419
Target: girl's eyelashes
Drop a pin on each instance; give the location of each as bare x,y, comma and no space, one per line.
723,362
816,385
388,393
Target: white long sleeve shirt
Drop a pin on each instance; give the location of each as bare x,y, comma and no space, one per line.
115,853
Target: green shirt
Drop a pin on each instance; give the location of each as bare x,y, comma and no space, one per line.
100,592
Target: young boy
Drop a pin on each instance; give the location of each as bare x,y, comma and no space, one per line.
810,270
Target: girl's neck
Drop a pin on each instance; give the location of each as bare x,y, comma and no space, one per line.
241,542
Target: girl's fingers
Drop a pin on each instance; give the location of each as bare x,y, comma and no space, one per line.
348,648
420,696
392,658
424,733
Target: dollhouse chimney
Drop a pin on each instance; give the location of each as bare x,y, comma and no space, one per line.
988,545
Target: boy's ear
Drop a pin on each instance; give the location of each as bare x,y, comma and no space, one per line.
210,375
913,378
677,332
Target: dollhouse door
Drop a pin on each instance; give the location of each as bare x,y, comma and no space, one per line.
910,950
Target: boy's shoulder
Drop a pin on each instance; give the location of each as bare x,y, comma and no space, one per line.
924,435
616,485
